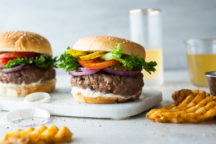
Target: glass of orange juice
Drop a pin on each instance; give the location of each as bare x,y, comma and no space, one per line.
201,58
146,29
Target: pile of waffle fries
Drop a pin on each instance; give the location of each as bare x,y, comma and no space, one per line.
189,107
40,135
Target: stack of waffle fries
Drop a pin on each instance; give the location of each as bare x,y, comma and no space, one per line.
189,107
40,135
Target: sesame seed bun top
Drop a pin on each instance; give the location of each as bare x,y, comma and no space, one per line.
21,41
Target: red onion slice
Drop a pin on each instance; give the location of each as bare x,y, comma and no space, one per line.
26,117
37,98
83,71
122,73
14,69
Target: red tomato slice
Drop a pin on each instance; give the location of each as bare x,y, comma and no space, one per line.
97,63
18,54
5,57
4,61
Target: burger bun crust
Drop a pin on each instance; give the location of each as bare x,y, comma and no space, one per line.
8,90
102,99
21,41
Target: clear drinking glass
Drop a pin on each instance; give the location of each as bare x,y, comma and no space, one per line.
201,58
146,29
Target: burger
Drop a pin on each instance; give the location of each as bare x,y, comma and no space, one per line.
106,69
26,64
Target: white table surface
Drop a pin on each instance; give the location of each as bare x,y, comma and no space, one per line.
138,130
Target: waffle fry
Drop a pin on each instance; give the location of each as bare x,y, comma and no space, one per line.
189,107
40,135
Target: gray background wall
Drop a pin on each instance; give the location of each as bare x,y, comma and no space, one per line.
65,21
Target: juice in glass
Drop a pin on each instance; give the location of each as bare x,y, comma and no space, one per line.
154,55
198,65
146,29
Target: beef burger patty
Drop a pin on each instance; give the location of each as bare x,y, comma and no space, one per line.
27,75
108,83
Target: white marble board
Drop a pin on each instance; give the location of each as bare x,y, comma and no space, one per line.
63,104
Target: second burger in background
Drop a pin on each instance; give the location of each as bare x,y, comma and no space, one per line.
26,64
106,69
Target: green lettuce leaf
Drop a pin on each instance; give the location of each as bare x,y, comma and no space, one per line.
68,62
130,61
42,61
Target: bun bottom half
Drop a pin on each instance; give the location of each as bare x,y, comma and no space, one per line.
13,90
80,97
